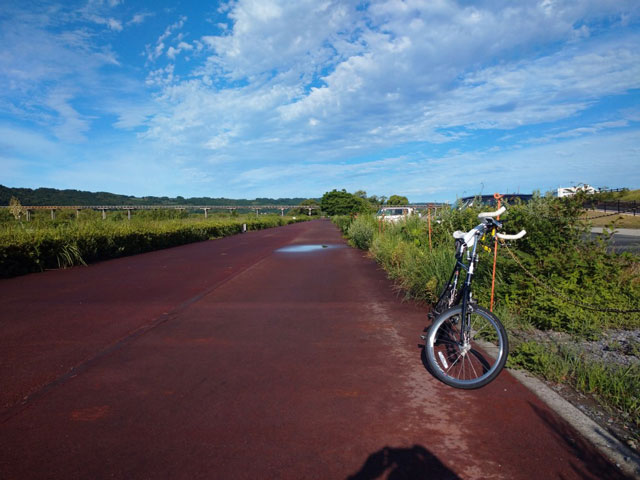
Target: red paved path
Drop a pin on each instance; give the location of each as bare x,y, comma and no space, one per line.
228,359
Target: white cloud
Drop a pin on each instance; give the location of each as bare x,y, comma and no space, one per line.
112,23
139,18
69,124
153,53
47,72
327,78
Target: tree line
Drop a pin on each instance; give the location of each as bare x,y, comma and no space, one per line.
53,196
335,202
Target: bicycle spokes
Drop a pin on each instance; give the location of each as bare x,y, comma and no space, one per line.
466,353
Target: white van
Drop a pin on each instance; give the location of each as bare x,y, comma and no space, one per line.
395,214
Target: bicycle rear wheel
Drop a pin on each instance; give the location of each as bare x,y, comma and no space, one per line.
472,365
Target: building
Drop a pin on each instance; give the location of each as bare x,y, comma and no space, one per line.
570,191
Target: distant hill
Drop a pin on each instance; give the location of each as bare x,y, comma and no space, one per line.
52,196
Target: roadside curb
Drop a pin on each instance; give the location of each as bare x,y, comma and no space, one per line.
625,459
634,232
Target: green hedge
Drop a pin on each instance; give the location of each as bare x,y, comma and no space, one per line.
26,248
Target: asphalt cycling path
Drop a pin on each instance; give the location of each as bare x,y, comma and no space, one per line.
262,355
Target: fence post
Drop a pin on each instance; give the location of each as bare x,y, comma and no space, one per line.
104,214
53,214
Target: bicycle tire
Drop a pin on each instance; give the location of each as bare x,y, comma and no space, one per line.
476,366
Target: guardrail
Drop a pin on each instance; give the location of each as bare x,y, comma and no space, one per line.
615,206
28,209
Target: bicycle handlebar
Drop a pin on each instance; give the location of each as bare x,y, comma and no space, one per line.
506,236
469,237
492,214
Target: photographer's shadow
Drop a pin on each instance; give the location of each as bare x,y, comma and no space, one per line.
403,463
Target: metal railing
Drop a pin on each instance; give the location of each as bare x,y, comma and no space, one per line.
614,206
29,209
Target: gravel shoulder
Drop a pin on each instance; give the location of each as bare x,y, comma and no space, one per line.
615,347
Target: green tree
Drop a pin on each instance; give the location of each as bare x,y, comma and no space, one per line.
360,194
376,201
398,200
341,202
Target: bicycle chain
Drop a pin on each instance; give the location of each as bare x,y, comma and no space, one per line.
560,294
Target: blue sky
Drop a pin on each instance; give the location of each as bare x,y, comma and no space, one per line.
432,99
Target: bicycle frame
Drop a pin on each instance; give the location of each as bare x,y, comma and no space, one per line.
465,295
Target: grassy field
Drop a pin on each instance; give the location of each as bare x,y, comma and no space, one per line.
629,196
620,221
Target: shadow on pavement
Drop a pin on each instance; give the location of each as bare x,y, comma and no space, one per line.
597,466
403,463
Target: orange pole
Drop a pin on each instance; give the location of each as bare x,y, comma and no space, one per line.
497,196
429,218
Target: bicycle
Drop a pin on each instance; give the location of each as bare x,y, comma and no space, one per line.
466,345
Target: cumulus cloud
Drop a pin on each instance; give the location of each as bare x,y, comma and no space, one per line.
332,76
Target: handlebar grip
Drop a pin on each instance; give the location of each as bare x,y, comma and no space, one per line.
492,214
505,236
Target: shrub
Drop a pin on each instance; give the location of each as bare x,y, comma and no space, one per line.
556,250
361,231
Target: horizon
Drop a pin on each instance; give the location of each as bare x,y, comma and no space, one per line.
550,192
270,99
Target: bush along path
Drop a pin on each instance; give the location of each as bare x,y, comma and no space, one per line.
594,351
33,247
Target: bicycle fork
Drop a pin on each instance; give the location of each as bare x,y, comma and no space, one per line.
467,305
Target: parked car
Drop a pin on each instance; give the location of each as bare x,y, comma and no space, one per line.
395,214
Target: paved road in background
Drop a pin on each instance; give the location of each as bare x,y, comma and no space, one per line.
257,356
624,239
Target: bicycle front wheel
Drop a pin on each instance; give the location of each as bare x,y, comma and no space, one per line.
469,362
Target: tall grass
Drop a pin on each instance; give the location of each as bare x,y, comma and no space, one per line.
35,246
